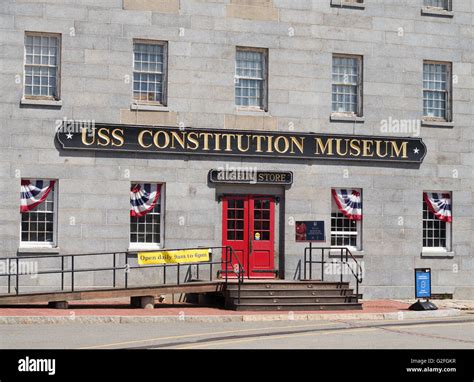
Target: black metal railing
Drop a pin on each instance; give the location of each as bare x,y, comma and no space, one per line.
344,255
228,261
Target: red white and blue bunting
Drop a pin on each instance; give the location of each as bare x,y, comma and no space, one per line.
34,193
348,202
143,198
439,204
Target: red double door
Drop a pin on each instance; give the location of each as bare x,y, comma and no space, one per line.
248,227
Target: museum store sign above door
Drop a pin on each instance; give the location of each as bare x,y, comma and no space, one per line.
193,141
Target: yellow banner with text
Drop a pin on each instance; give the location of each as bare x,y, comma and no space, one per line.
173,257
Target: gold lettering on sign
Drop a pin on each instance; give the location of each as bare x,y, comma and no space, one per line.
239,143
117,135
269,144
361,147
140,138
176,137
217,145
399,151
103,138
156,138
338,147
206,140
378,149
367,148
193,139
355,148
85,133
286,145
258,138
228,141
299,143
325,148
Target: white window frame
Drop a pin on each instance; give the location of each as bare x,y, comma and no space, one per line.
265,54
358,247
449,92
58,67
164,100
151,246
360,85
44,244
449,6
449,229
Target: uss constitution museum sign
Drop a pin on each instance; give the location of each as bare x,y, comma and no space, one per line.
193,141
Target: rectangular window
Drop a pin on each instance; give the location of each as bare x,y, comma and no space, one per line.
146,231
347,84
251,78
42,63
436,232
345,232
38,225
150,72
437,91
440,4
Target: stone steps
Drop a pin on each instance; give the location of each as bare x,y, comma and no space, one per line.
280,295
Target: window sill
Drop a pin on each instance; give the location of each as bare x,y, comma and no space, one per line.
347,4
335,253
430,253
438,12
336,117
143,249
38,250
148,107
252,112
41,102
429,123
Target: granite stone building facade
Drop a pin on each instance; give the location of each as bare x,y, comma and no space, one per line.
372,68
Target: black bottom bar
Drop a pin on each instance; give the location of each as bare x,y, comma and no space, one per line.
358,365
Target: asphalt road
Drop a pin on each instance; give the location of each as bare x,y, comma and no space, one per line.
441,333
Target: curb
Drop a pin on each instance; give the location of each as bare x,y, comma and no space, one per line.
290,316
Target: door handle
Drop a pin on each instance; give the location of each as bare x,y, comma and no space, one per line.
251,246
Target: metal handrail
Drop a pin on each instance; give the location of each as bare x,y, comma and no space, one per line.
226,260
358,274
240,273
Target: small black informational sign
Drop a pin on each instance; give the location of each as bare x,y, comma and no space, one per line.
310,231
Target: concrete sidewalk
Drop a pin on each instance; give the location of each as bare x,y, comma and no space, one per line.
119,311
